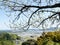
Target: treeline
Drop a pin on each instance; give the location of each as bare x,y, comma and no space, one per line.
8,39
48,38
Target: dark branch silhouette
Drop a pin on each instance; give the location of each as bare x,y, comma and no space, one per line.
22,8
44,7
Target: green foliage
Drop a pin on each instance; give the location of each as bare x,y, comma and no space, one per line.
49,38
8,39
30,42
13,37
7,36
6,42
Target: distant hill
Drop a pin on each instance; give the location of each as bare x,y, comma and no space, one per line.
5,31
30,31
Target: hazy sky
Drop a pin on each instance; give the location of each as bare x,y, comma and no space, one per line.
4,20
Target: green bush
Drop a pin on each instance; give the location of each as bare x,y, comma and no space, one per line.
30,42
8,39
49,38
7,36
7,42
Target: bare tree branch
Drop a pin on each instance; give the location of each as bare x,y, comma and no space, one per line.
32,15
44,7
47,18
24,7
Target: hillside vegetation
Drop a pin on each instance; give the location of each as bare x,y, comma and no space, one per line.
49,38
8,39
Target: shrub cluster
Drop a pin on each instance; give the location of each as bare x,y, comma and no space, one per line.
8,39
30,42
7,36
49,38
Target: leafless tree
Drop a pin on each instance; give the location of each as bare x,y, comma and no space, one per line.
32,13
